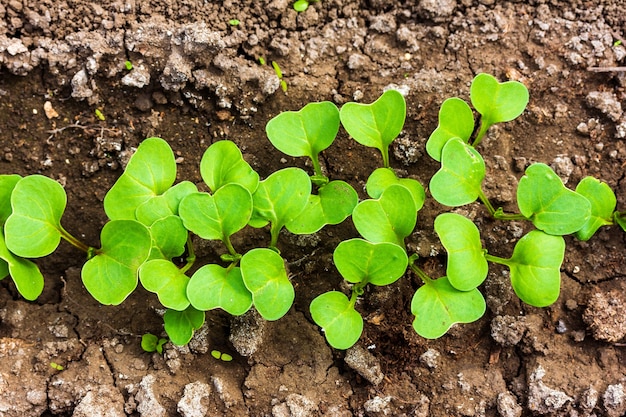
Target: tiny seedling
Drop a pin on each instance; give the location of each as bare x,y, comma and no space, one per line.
128,65
56,366
151,343
302,5
234,22
99,115
279,74
222,356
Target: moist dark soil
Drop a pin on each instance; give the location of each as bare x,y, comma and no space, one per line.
197,79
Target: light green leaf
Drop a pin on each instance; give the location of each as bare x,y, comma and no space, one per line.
437,305
169,238
458,181
603,203
111,275
215,287
456,120
333,204
306,132
553,208
7,184
167,281
218,216
375,125
390,218
280,198
164,205
497,102
535,268
360,261
25,274
150,172
382,178
180,325
222,163
335,314
264,275
467,267
34,227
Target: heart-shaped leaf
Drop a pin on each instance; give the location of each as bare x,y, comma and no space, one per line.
603,203
437,305
222,163
180,325
467,267
217,216
150,172
535,268
306,132
169,238
111,275
497,102
25,274
7,184
215,287
553,208
335,314
456,120
279,199
458,181
375,125
620,218
164,205
390,218
360,261
264,275
333,204
382,178
167,281
34,227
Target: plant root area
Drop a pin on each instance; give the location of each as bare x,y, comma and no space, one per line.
195,79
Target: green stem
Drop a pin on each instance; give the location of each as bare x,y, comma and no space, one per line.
418,271
498,214
229,246
486,202
481,133
316,165
74,241
385,152
191,256
498,260
274,233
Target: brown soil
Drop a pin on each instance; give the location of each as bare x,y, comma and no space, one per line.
196,79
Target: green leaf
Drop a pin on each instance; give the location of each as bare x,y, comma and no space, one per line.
306,132
222,163
164,205
553,208
280,198
180,325
603,203
25,274
382,178
535,268
111,275
497,102
34,227
437,305
456,120
150,172
467,267
458,181
360,261
169,238
335,314
333,204
301,5
264,275
149,342
7,184
217,216
215,287
167,281
620,219
375,125
390,218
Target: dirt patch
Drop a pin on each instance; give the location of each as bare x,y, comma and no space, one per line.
196,79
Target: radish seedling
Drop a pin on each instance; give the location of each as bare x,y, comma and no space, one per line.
151,343
376,125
